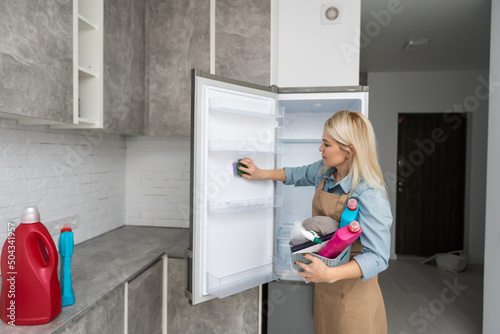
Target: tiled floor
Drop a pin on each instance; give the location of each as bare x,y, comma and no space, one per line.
420,298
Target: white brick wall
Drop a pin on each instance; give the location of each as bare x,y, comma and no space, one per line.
101,181
158,181
65,173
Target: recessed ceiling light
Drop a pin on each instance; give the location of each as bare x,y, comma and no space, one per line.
416,44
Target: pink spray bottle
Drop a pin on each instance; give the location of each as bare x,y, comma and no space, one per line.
342,238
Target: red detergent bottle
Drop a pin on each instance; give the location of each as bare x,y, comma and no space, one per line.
30,294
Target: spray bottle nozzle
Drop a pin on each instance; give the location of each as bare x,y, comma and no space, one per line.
313,236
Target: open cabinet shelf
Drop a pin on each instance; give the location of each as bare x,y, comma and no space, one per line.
88,24
83,72
85,24
86,121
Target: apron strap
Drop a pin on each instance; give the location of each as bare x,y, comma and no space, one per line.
342,202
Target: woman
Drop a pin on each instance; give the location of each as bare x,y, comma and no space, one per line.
352,302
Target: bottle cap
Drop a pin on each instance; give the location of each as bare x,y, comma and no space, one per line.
66,228
30,215
352,204
354,226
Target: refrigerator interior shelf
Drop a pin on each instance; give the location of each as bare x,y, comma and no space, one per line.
284,231
301,141
244,146
244,205
229,285
246,108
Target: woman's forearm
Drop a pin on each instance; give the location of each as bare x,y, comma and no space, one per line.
348,270
318,272
274,174
255,173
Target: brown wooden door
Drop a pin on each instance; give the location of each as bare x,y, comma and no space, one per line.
430,185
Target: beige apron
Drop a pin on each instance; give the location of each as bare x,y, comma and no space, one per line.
347,306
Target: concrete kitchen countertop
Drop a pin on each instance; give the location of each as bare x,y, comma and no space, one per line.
101,264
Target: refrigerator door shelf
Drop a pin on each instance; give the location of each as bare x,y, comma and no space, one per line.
244,205
226,286
252,108
254,146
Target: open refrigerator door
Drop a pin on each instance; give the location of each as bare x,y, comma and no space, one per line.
232,219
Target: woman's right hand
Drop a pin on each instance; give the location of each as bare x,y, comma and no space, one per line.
254,172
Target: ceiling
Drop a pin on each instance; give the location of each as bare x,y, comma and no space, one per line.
459,31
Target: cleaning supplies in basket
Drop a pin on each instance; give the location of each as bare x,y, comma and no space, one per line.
314,227
322,228
322,225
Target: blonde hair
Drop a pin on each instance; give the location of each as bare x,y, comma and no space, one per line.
353,128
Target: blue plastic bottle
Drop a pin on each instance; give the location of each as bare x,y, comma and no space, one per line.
350,212
66,245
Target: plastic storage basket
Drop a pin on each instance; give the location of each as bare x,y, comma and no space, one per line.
341,259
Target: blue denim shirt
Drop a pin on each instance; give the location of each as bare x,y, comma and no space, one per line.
375,217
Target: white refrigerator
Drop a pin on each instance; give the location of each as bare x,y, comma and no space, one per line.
240,229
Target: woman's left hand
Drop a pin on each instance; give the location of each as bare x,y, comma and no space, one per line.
317,271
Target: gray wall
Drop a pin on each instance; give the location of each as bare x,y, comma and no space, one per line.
429,92
491,305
